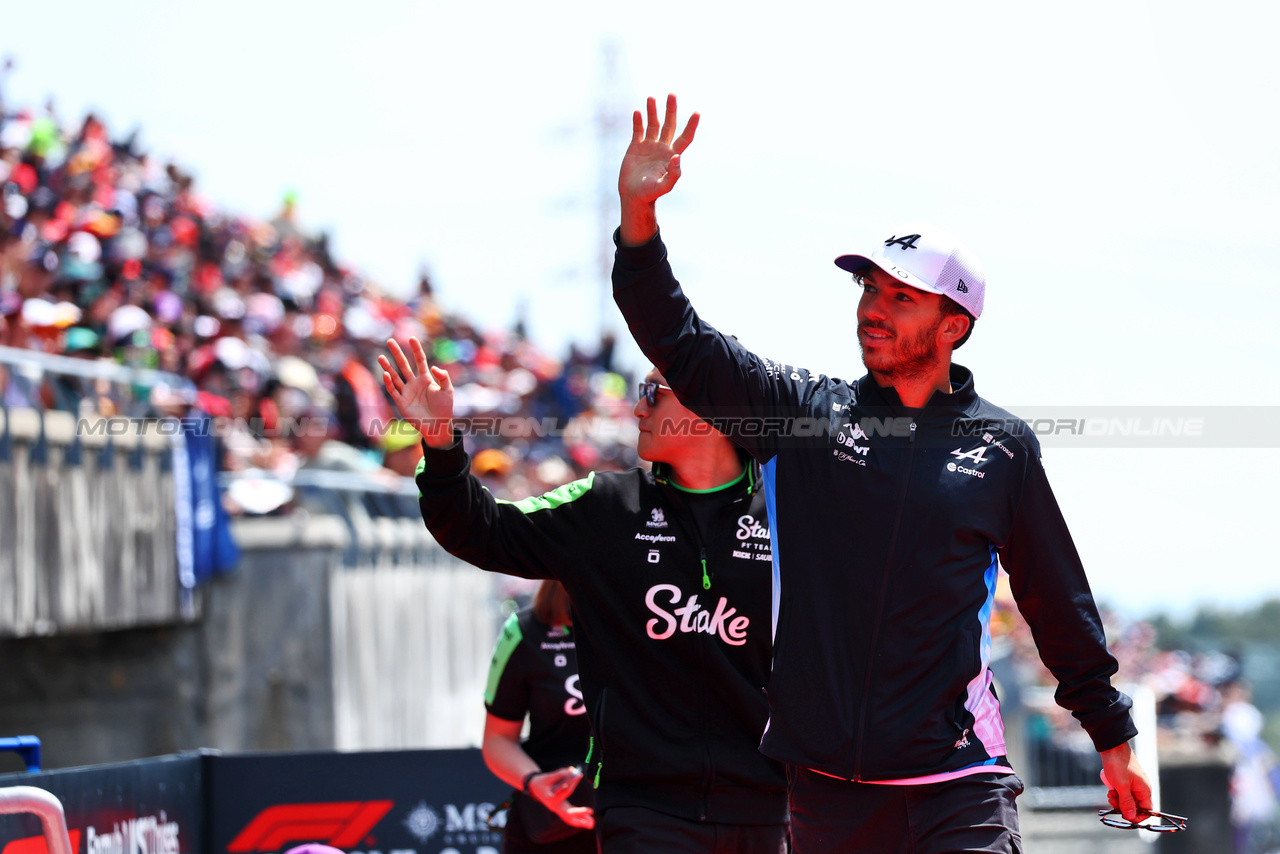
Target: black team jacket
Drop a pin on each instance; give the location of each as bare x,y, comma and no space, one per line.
888,525
672,629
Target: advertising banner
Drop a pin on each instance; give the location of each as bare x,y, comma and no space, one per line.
389,802
150,806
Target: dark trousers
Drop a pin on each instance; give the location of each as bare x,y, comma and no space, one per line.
636,830
969,814
516,841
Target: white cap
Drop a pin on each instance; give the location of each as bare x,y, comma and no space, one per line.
926,257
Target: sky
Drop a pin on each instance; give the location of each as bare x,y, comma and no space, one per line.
1113,166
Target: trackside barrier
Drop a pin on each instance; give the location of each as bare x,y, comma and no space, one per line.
203,802
412,626
29,799
91,545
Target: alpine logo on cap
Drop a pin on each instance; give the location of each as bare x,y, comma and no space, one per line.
962,287
906,242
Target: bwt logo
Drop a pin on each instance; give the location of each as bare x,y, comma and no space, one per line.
342,824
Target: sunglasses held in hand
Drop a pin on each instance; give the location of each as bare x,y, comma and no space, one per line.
1163,822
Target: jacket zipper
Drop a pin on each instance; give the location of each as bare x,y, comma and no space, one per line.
702,697
709,777
708,781
708,769
591,748
884,591
708,764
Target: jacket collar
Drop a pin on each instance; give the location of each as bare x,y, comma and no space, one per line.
748,484
940,404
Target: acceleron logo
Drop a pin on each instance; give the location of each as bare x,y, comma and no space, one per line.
342,824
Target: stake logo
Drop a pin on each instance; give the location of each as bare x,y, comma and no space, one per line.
693,617
342,824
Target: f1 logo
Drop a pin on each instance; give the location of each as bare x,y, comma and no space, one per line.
342,824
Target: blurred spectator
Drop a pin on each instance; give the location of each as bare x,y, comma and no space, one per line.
6,67
1254,807
401,448
1201,701
107,253
317,447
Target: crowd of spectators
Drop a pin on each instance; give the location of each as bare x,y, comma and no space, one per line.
1204,711
108,253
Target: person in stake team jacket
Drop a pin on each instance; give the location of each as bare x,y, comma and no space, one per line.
669,573
534,675
888,526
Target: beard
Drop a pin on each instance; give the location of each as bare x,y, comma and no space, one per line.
908,358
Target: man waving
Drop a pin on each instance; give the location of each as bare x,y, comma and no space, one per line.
669,574
893,499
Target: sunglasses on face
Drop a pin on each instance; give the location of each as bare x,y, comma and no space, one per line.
1163,823
649,392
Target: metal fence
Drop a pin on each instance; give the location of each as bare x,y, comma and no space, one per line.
412,626
87,528
87,519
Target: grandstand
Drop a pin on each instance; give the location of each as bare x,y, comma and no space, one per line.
132,305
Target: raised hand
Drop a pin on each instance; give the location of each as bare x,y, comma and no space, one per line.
424,397
553,789
650,168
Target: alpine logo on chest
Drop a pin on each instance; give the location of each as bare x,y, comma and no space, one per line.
966,462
